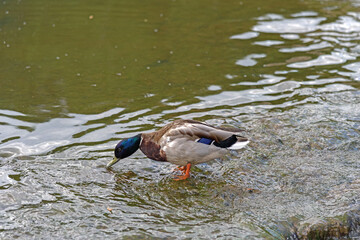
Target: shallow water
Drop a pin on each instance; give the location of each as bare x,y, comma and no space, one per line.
78,76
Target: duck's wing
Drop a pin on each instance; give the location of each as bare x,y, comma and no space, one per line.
191,131
188,141
206,134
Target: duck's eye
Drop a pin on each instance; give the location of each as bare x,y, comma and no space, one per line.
118,152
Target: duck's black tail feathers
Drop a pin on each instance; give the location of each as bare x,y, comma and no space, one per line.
233,142
227,142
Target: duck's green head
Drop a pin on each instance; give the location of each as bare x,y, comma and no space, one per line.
125,148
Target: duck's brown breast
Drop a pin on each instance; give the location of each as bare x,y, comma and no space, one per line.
152,150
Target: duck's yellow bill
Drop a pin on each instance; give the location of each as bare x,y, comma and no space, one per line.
112,162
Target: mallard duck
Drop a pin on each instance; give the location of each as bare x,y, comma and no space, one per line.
182,142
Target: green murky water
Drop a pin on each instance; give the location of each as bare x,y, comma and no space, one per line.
76,76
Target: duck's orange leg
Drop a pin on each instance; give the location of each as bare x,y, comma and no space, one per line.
186,170
182,168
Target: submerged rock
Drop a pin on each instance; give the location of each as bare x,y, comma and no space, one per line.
340,227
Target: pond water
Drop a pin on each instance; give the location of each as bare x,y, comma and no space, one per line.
77,76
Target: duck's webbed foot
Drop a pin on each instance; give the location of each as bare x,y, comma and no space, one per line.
186,172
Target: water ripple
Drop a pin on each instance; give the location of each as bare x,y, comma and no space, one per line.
246,35
298,25
249,60
335,58
311,47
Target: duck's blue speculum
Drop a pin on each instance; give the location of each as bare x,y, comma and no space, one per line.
205,141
